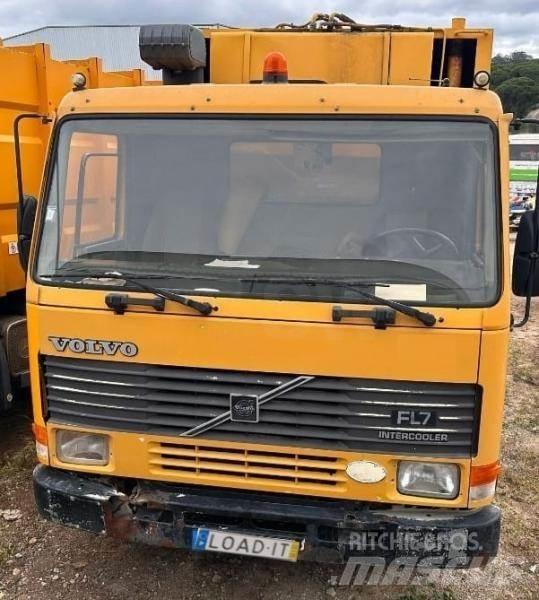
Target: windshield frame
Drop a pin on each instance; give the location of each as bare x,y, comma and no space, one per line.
52,155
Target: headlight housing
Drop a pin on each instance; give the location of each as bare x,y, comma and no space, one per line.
81,448
429,480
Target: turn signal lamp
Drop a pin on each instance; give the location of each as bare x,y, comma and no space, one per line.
483,481
275,68
42,442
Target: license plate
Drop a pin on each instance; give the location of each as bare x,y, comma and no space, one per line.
212,540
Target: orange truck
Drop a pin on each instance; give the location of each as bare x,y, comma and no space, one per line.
290,340
39,86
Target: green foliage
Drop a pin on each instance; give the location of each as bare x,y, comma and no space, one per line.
519,95
499,75
529,69
515,77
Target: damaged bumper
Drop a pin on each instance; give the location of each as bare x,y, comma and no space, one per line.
328,530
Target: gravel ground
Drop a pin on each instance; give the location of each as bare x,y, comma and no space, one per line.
39,560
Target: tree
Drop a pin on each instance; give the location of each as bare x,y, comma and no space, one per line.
499,75
515,77
528,69
520,56
519,95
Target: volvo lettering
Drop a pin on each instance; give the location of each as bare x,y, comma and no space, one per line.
78,346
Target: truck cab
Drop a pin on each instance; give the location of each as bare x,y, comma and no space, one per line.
268,301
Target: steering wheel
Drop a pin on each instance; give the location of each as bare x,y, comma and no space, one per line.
411,242
353,245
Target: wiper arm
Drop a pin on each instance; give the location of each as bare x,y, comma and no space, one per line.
204,308
426,318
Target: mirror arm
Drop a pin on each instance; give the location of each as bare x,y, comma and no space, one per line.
18,162
527,309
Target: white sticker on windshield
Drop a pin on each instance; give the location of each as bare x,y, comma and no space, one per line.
233,264
51,214
412,292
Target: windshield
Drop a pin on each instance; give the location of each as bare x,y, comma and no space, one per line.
243,207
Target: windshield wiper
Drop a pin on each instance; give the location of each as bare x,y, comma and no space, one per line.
118,302
426,318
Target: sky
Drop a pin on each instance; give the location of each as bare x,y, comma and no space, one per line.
516,22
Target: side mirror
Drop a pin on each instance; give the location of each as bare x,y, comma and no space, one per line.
27,217
26,214
526,261
526,256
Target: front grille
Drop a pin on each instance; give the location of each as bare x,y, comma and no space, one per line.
327,412
298,471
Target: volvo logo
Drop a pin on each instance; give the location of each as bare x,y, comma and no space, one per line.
106,347
244,408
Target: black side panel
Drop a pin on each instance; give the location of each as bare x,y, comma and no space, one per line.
6,394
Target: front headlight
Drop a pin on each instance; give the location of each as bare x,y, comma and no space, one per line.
430,480
80,448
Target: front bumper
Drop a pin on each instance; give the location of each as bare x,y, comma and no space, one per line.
330,530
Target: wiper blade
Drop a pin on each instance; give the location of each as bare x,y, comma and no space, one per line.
84,273
204,308
426,318
312,281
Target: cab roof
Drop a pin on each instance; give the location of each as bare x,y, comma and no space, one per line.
284,99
